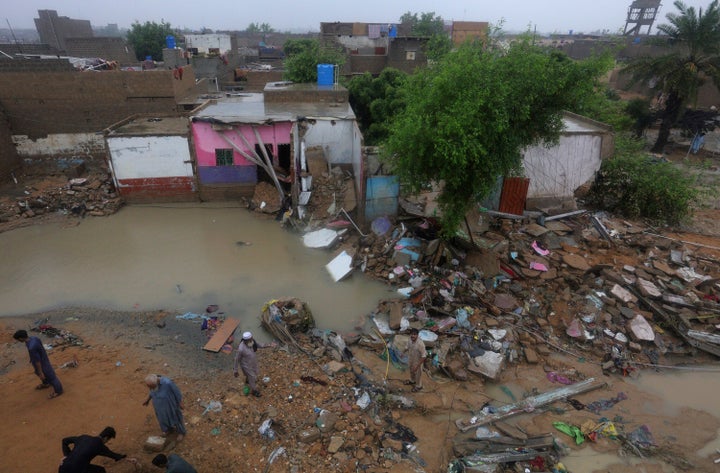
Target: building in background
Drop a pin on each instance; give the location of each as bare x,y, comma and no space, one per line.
54,29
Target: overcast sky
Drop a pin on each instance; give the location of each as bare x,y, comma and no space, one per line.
547,16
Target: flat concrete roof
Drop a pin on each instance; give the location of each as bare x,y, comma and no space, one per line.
153,126
252,108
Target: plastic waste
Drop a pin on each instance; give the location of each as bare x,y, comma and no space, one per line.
363,401
212,406
265,429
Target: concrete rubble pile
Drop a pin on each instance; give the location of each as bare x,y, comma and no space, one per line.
524,289
600,289
93,195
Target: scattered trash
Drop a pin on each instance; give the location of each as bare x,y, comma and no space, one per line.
265,429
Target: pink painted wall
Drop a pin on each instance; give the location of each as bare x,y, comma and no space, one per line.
208,140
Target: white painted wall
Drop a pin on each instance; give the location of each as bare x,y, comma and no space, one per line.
150,156
558,171
203,42
339,139
64,144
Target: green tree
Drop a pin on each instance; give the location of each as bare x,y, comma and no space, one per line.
376,101
148,39
468,118
253,28
425,24
693,55
429,25
266,28
301,63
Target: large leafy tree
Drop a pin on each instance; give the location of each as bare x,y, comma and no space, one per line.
693,56
303,56
148,39
375,101
469,117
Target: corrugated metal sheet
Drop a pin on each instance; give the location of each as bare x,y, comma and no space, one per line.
514,193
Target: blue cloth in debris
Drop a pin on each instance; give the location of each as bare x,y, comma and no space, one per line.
604,404
642,437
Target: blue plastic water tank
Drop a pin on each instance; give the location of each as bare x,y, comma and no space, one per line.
326,74
170,41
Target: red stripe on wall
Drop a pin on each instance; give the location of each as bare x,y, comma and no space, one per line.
158,189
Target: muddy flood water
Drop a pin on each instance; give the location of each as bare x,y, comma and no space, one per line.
179,258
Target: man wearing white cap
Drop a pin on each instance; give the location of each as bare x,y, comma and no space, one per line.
247,359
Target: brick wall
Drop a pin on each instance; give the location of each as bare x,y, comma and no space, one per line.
9,159
361,64
39,104
110,49
27,48
256,80
306,93
33,65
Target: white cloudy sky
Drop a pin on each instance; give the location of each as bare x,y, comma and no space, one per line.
545,15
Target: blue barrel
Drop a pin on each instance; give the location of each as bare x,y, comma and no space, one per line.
326,74
170,41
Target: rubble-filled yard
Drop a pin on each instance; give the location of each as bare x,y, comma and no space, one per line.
533,326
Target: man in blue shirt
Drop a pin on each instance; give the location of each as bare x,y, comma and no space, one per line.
40,362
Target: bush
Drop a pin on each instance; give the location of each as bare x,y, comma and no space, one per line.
641,186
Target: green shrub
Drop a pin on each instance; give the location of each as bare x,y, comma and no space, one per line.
636,185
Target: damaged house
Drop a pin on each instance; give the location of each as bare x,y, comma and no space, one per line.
286,137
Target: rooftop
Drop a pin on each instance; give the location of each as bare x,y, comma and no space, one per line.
152,126
253,108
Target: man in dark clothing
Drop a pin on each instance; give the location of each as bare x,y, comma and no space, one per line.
40,362
85,448
173,464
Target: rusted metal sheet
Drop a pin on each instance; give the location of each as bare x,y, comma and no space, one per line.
514,193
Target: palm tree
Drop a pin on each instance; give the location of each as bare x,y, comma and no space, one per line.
693,57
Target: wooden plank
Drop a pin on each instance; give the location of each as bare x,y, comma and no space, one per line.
223,333
510,430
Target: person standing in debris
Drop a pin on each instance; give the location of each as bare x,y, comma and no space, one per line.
416,358
40,362
168,404
246,358
85,448
173,463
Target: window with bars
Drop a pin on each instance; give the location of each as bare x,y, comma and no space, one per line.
223,157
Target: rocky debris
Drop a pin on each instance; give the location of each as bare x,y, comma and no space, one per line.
93,194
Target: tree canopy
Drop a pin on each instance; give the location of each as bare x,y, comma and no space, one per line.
429,25
148,39
693,55
302,57
468,118
424,24
375,101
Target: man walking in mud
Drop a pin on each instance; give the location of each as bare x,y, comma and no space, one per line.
40,362
246,359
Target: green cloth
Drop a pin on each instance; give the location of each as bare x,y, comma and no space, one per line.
571,430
